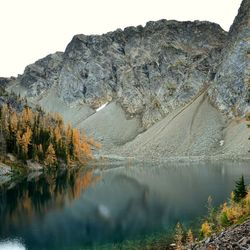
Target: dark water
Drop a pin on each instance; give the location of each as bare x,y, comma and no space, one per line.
73,210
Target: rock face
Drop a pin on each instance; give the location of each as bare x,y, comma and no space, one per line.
6,81
231,92
149,70
40,76
151,77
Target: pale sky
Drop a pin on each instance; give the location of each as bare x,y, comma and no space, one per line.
32,29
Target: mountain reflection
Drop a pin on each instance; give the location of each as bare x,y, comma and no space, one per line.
75,209
28,199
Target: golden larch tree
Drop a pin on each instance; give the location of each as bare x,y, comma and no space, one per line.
27,115
50,158
13,122
178,237
190,237
68,133
57,134
23,140
85,147
76,140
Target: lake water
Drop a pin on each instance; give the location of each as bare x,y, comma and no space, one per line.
76,209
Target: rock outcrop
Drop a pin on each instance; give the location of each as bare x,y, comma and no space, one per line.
5,81
231,90
236,237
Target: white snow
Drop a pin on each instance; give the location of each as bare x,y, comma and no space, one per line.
102,107
221,142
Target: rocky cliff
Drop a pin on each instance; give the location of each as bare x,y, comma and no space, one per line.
148,70
154,79
6,81
231,90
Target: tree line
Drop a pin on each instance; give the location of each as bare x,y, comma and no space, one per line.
44,138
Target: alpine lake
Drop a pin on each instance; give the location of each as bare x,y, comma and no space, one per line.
101,207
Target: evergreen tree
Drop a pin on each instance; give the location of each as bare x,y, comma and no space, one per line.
178,237
50,159
190,238
33,134
240,190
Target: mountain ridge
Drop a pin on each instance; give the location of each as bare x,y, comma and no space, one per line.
146,74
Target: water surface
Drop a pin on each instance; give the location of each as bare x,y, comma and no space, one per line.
72,210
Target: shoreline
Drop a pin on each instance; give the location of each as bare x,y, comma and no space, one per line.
112,158
9,174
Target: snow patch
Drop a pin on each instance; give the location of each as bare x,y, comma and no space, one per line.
102,107
221,143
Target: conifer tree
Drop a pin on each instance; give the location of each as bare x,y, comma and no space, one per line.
13,122
40,153
240,190
85,147
190,237
50,158
23,142
76,143
27,115
42,137
178,237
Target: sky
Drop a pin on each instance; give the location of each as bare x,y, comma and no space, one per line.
32,29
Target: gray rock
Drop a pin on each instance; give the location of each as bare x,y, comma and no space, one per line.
150,74
235,237
4,81
4,169
11,157
34,166
149,70
42,74
5,172
231,90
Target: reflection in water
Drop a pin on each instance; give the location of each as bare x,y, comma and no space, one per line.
52,212
29,200
11,245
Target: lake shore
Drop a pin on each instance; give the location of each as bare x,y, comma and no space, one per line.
7,172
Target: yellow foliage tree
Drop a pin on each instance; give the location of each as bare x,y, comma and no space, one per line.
13,122
76,140
178,237
85,147
50,158
68,133
24,140
57,134
190,237
60,122
27,115
93,143
206,229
